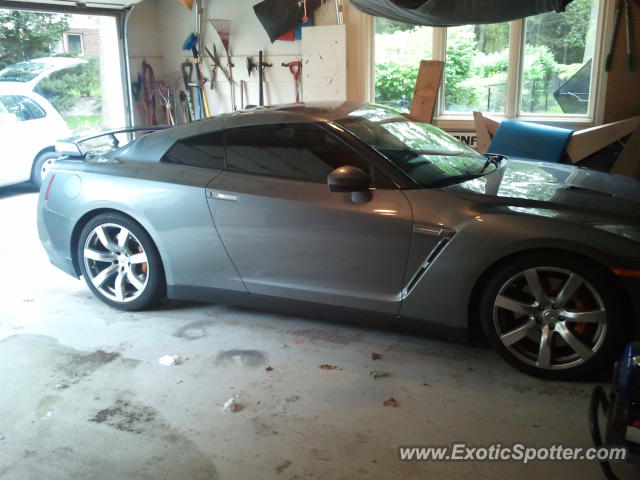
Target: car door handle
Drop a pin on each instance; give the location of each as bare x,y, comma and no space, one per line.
230,197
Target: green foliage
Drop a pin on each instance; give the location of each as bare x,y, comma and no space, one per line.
493,37
64,88
84,122
395,81
25,35
398,56
557,46
461,48
563,33
539,70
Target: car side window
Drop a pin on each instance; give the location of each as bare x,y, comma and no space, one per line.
11,106
203,151
30,109
300,151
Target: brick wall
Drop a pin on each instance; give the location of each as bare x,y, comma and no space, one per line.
90,40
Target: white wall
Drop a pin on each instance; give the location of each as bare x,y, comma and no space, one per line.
158,28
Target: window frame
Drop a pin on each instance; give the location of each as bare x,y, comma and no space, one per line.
464,120
81,52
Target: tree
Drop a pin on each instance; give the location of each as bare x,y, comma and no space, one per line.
461,48
25,35
563,33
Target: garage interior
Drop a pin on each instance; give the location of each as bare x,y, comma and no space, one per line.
93,392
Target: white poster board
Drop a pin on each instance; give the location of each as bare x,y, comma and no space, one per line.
324,63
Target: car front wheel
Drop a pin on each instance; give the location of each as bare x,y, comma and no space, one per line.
553,316
119,262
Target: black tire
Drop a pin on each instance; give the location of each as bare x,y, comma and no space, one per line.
604,335
151,269
38,165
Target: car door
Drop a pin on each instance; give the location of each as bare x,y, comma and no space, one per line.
289,236
13,141
26,133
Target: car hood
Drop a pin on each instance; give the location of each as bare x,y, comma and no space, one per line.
559,184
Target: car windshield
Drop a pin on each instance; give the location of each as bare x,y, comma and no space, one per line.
431,157
22,72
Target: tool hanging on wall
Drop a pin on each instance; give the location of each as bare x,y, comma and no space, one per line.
216,64
148,93
191,43
296,69
223,28
622,6
166,101
187,74
186,108
261,66
339,12
243,87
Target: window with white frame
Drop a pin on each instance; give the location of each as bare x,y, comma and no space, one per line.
542,66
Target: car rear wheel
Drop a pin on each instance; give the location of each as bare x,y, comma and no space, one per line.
41,166
553,316
119,262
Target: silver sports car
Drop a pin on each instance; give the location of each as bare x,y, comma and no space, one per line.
354,210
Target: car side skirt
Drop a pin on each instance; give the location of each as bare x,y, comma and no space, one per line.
364,318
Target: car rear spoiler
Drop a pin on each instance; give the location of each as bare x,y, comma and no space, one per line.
71,147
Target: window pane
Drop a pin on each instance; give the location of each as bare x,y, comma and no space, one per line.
302,151
204,151
10,106
74,44
30,109
475,75
558,54
399,48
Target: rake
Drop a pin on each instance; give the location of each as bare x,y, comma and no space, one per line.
223,28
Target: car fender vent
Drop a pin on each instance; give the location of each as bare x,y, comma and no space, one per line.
425,266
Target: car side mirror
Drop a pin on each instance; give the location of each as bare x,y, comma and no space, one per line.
351,179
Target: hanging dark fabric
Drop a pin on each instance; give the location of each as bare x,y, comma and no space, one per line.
279,16
450,13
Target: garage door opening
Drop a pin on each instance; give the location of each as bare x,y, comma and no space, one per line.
60,75
66,64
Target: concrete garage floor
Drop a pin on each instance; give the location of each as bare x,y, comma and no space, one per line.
83,395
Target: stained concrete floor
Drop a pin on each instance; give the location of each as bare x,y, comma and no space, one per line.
83,395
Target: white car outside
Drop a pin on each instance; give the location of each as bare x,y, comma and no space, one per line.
30,72
29,124
29,128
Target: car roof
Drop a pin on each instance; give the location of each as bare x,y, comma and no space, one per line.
152,147
49,66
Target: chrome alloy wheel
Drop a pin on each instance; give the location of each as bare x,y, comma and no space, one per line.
116,262
550,318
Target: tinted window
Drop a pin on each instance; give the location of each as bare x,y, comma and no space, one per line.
204,151
303,151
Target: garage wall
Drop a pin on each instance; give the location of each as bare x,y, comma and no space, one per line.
623,86
158,28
